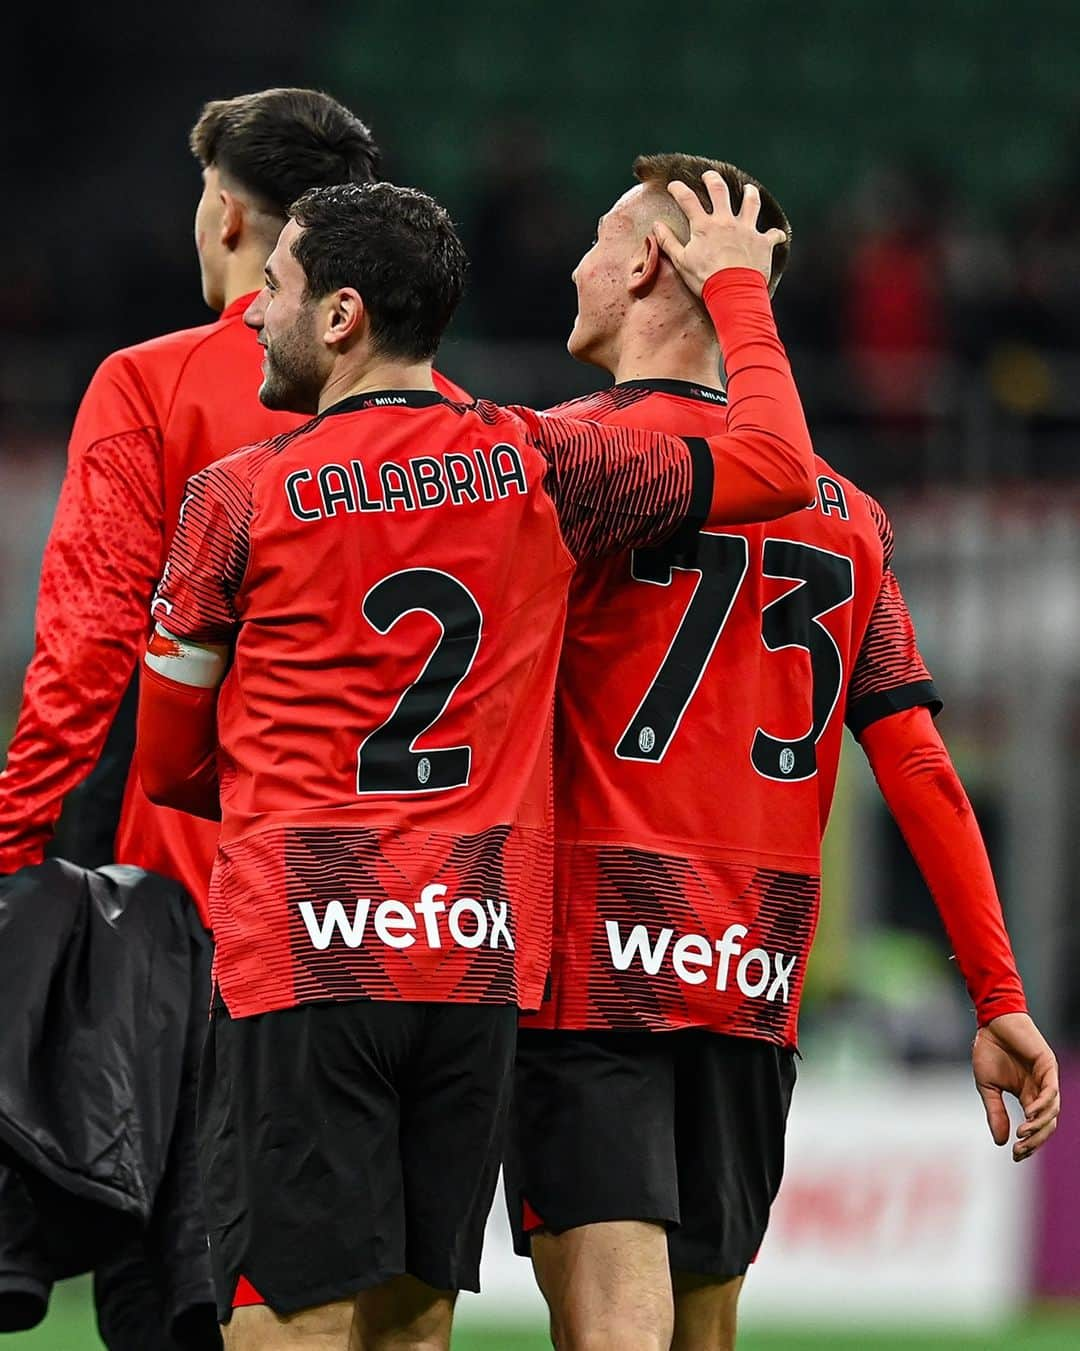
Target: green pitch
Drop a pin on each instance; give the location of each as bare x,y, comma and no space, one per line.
70,1327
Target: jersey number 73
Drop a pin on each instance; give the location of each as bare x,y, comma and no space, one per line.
824,580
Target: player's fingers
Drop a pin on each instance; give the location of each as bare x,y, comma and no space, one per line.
717,189
687,199
1023,1149
1044,1109
669,241
1036,1104
1037,1096
997,1118
751,204
776,236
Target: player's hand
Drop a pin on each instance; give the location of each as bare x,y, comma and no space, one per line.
719,238
1011,1055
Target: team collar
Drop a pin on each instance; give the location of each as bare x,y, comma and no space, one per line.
386,398
686,389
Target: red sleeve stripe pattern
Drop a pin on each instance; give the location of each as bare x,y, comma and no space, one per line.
621,488
890,674
196,598
884,529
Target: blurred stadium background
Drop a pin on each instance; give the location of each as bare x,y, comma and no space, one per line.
928,154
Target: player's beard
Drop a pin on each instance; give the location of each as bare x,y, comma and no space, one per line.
292,377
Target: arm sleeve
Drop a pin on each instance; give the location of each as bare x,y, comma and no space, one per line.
97,576
764,466
196,598
195,605
925,796
889,673
176,745
620,488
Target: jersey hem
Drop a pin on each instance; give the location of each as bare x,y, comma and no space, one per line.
253,1008
539,1023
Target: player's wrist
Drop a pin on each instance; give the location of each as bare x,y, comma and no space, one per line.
1001,1007
737,302
734,279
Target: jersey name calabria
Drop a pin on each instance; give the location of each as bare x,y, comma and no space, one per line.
702,694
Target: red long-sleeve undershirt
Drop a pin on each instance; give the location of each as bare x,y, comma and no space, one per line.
177,745
767,461
924,793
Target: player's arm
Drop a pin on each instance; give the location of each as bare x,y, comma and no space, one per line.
924,793
890,707
617,488
97,576
176,731
196,620
764,467
927,800
891,704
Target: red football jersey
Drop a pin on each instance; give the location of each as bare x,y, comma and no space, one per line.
700,707
384,726
153,415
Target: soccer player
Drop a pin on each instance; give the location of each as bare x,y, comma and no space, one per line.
379,597
701,700
152,416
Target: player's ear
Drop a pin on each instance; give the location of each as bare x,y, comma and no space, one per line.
645,266
232,217
345,316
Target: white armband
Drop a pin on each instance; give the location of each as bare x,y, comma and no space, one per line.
201,665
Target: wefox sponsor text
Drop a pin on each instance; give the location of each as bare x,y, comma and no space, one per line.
757,973
465,922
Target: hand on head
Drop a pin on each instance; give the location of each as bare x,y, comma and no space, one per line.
718,239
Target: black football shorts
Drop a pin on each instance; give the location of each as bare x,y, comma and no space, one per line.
685,1129
342,1144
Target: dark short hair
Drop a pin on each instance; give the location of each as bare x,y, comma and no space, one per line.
660,170
397,247
278,143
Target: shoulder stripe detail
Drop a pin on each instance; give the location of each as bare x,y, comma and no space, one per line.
881,520
873,707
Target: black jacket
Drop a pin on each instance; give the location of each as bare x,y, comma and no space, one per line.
104,992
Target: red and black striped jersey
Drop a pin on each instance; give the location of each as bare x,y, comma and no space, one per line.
701,699
392,581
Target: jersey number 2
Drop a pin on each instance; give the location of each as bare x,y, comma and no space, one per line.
388,761
826,581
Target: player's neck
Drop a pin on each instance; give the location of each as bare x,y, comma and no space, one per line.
376,375
678,349
244,268
242,280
